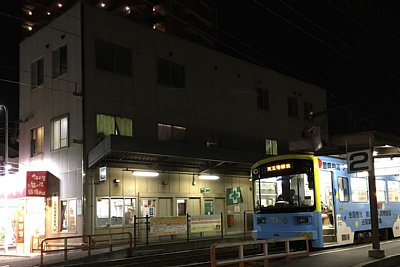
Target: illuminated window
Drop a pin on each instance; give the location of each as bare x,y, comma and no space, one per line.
271,147
168,132
380,186
359,189
37,137
37,74
59,61
114,58
262,99
292,107
115,211
107,125
59,133
170,74
393,191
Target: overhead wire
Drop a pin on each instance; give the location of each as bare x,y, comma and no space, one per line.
252,60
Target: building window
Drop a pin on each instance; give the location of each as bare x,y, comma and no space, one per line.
170,74
113,58
37,137
115,211
308,108
59,133
37,74
68,215
262,99
271,147
292,107
107,125
167,132
59,61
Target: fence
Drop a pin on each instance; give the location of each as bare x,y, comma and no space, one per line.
64,244
241,259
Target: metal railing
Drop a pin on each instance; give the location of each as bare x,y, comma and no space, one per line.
241,259
52,244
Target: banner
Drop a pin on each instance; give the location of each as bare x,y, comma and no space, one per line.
233,196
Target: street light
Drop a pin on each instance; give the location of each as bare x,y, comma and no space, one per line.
5,138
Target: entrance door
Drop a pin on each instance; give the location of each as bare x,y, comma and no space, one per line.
327,199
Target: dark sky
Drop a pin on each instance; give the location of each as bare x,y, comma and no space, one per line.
350,48
9,61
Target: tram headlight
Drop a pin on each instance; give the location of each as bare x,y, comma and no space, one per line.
302,220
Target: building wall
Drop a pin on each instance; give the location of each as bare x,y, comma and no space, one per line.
218,104
38,106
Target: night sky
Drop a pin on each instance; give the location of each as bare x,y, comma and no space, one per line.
349,48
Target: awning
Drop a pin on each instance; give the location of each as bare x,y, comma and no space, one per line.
34,184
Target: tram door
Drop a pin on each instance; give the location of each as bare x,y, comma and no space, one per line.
327,199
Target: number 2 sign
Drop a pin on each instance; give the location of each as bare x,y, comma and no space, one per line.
358,161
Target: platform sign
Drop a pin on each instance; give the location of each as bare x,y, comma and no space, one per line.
358,161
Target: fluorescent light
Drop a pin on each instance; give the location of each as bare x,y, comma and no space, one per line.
208,177
147,174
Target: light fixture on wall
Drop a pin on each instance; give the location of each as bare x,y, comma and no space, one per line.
116,181
145,173
208,177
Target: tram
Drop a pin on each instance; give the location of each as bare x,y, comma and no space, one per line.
315,196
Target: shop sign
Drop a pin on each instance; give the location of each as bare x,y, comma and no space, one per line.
36,183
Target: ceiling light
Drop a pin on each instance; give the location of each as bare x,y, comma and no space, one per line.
144,173
208,177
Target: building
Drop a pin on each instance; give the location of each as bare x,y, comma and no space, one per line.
102,96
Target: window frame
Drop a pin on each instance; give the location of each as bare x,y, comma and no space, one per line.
170,74
59,138
293,109
59,61
37,73
37,140
262,99
119,58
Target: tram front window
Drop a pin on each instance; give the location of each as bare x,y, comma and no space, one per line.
290,192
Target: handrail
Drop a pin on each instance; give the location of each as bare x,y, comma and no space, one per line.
91,244
241,259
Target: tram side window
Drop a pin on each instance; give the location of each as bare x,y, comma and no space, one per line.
343,188
394,191
359,189
380,190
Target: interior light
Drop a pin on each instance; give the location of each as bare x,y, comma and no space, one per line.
48,13
102,4
208,177
144,173
60,5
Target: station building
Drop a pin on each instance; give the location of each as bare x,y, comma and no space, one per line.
102,97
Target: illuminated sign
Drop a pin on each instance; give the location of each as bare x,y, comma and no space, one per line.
36,183
279,167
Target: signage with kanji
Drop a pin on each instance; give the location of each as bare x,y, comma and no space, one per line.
36,183
233,196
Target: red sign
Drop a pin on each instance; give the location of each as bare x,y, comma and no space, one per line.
36,183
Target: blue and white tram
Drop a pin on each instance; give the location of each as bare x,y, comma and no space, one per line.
314,196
